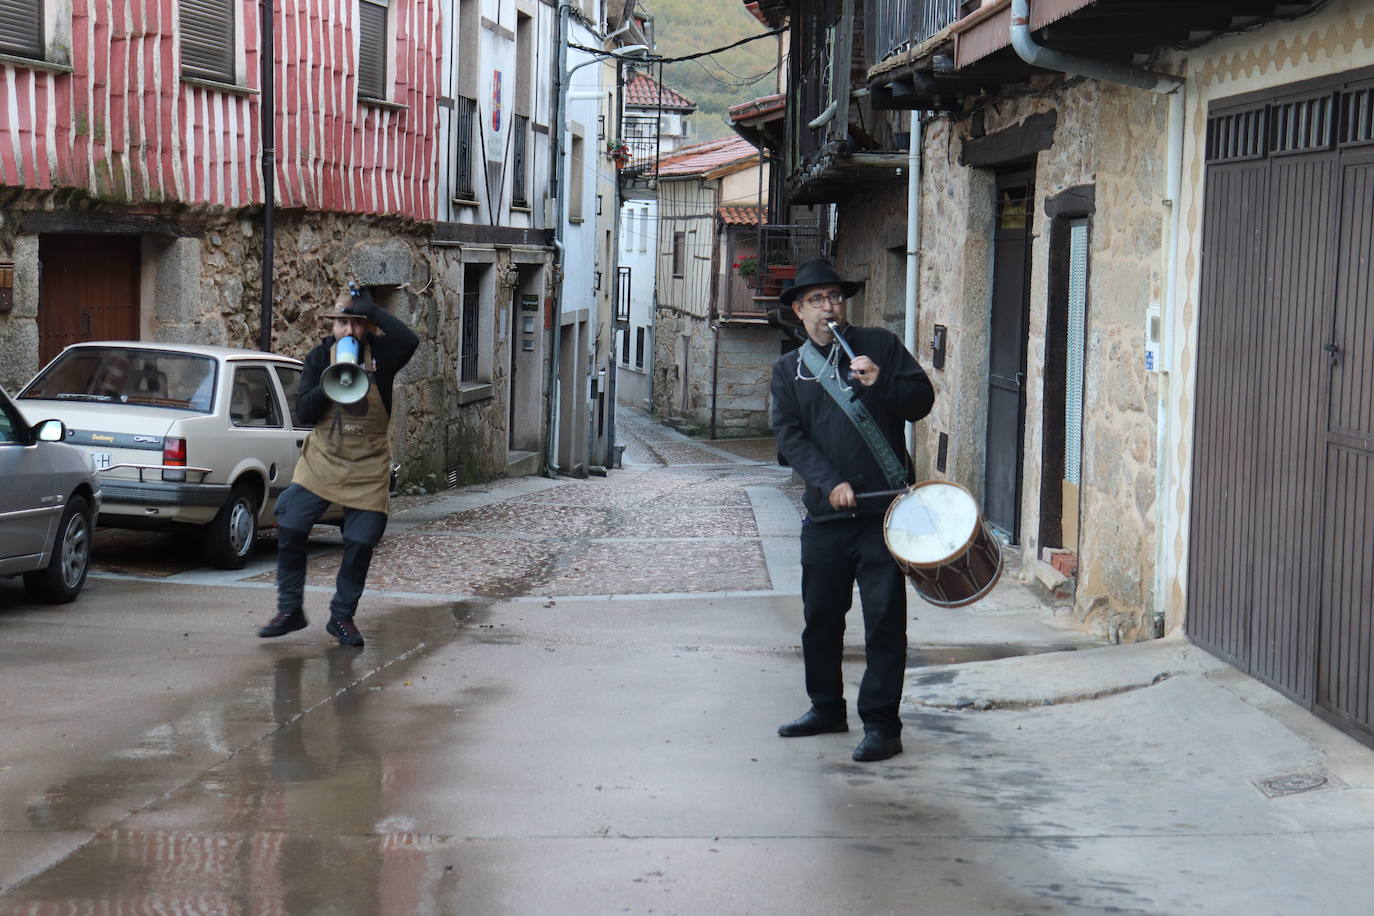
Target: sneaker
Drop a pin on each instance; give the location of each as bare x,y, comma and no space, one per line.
345,631
283,624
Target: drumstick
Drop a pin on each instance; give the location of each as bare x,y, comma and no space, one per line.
849,513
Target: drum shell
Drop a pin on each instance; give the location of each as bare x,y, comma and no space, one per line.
960,579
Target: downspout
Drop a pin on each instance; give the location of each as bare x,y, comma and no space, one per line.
1049,59
558,178
613,364
1164,431
269,173
1163,84
913,245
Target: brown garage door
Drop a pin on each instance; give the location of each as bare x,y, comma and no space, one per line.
89,290
1283,486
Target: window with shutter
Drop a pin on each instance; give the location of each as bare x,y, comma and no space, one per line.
207,39
21,28
372,47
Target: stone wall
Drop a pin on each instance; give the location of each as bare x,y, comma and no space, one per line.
744,368
205,289
670,325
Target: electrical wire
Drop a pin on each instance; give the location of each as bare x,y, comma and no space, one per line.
676,60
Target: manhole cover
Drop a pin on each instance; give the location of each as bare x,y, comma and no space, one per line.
1294,783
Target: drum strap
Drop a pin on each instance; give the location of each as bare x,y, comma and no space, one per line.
858,414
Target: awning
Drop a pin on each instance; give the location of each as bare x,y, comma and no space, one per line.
988,30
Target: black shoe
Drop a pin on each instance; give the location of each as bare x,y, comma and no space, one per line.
813,723
877,746
343,628
283,624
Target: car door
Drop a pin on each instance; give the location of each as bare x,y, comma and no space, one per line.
27,501
262,425
289,380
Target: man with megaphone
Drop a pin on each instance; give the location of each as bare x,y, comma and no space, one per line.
345,393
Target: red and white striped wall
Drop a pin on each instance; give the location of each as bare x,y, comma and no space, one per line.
124,126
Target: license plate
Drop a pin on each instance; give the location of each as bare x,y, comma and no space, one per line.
101,460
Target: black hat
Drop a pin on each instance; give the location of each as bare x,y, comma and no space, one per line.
817,272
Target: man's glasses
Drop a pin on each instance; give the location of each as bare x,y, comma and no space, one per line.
820,299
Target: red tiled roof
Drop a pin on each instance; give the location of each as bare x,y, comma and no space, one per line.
741,216
705,157
643,92
757,107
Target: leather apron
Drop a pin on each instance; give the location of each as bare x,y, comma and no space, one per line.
346,458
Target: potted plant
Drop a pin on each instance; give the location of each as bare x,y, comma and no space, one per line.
618,151
748,268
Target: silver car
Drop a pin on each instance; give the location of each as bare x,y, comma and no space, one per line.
49,497
186,437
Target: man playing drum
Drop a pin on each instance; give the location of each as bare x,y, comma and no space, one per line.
839,424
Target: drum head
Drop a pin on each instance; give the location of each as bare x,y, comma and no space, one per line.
931,523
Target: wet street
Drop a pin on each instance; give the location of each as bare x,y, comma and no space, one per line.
567,704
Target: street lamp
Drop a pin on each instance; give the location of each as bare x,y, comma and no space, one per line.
562,77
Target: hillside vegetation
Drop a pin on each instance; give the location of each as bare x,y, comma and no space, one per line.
689,26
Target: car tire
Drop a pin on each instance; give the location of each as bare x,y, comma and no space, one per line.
230,536
61,581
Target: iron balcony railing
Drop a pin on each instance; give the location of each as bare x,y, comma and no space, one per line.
894,26
787,246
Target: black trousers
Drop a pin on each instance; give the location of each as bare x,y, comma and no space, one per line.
834,556
298,509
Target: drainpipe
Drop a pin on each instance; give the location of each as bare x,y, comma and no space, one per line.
1164,426
269,174
913,244
1040,56
1163,84
558,178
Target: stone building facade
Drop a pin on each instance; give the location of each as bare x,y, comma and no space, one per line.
1084,141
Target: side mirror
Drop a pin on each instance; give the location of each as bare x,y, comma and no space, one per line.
50,431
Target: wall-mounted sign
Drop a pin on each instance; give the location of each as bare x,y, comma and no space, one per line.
529,302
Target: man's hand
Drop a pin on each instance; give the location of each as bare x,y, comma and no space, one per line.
863,369
842,497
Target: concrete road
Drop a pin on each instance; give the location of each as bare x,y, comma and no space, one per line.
568,703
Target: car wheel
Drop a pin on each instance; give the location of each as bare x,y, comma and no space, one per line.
65,574
229,537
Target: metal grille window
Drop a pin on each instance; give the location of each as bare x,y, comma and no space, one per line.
1357,116
622,294
467,347
465,169
639,348
1074,355
1304,125
207,38
1237,136
519,185
372,48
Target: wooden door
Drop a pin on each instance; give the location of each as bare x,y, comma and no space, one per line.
89,290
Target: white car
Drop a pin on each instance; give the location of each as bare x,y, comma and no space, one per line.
183,436
47,506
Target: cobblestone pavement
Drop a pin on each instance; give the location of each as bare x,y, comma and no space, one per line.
676,519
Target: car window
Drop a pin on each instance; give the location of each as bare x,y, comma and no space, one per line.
290,378
252,401
11,430
125,375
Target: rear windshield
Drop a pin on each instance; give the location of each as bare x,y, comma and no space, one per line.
127,376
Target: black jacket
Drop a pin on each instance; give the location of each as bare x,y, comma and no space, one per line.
817,439
391,350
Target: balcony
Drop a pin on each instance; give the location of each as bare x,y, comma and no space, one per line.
894,27
777,250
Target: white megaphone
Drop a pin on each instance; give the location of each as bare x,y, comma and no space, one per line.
345,381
